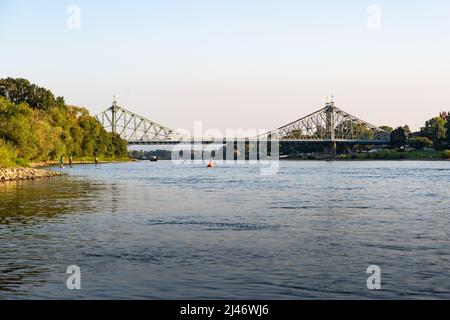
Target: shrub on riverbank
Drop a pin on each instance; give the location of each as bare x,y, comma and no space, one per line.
446,155
8,156
37,126
394,155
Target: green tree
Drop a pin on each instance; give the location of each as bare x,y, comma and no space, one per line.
35,126
22,91
435,130
357,131
120,146
399,137
388,129
420,143
8,154
447,131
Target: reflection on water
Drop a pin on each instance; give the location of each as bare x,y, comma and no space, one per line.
27,209
157,230
29,202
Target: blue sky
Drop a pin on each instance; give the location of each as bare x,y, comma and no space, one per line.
235,63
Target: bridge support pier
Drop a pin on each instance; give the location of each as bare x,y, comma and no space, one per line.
333,149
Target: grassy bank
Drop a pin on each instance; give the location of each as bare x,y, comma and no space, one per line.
398,155
77,161
9,158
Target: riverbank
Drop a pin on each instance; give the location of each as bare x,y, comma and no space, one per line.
43,164
16,174
399,155
386,155
34,170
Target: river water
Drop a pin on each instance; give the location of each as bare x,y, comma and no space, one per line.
162,231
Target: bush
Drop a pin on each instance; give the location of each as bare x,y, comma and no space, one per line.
446,155
420,143
8,156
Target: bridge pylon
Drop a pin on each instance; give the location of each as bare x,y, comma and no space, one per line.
330,125
135,128
114,110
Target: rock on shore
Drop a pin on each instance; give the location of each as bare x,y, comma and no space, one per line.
14,174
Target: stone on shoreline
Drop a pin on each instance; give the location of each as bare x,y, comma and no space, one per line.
15,174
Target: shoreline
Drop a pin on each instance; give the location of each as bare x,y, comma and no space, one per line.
363,160
45,164
38,170
21,174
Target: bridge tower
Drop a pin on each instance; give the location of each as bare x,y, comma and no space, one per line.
330,111
114,109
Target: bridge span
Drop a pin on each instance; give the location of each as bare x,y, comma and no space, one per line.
329,126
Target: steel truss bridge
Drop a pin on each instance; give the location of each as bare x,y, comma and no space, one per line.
329,126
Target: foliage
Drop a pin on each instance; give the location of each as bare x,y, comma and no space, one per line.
447,129
388,129
446,154
420,143
399,137
37,127
435,130
359,130
22,91
143,155
394,155
8,155
362,132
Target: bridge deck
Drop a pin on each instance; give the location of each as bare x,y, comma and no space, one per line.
230,140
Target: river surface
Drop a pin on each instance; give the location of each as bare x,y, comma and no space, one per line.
162,231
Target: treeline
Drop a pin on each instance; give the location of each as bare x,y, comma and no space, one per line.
147,155
37,126
434,134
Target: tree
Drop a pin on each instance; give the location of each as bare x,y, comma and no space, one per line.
120,146
8,155
35,126
388,129
435,130
348,128
407,130
399,137
22,91
447,133
420,143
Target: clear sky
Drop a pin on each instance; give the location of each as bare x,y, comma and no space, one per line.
236,63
